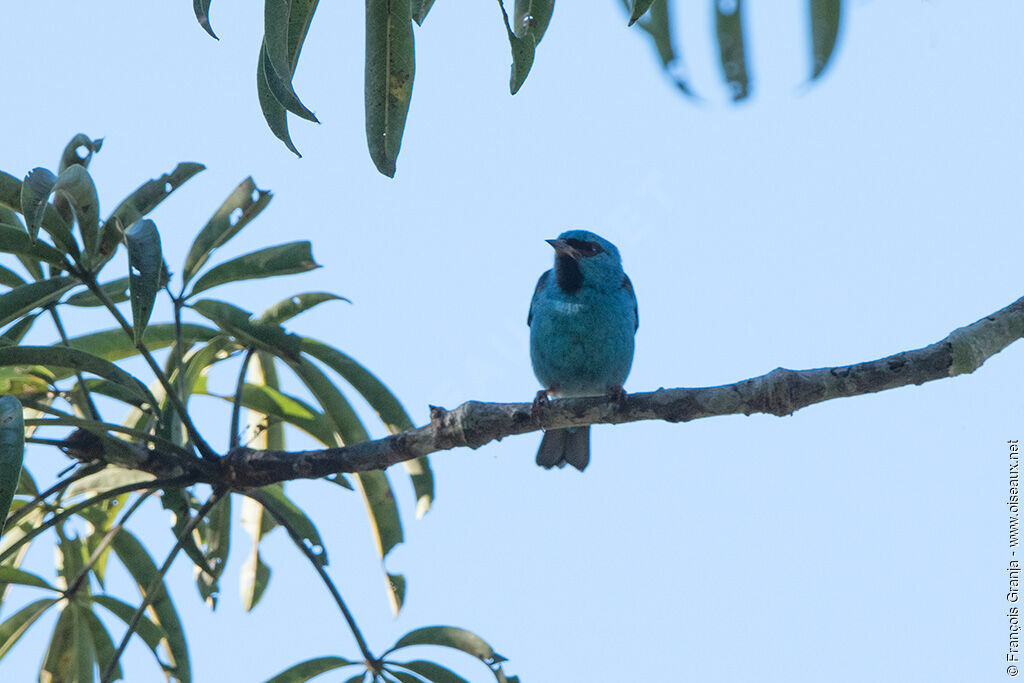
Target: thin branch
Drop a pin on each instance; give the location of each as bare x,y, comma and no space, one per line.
236,407
179,406
86,470
154,585
94,414
780,392
317,562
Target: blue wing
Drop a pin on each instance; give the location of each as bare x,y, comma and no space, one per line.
628,286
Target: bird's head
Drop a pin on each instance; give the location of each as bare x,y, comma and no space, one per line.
580,256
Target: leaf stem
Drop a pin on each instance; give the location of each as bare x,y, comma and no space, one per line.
371,661
154,585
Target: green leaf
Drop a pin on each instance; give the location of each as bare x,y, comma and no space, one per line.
52,223
729,29
64,357
286,309
523,51
532,17
9,278
150,633
241,206
20,300
269,401
274,113
116,291
73,157
69,560
453,637
102,644
16,332
402,676
9,218
202,10
19,622
255,574
640,8
75,185
143,570
272,497
12,453
435,673
114,344
283,259
825,17
385,525
14,240
215,536
311,668
144,265
390,69
22,578
35,194
70,656
387,406
278,69
239,324
396,592
342,417
658,25
108,478
420,9
182,503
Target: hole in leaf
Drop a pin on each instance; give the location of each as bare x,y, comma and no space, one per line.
82,152
168,188
235,216
727,6
255,196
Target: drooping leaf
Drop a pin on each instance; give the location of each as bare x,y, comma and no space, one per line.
278,69
182,505
12,453
524,49
143,570
658,25
75,186
420,8
532,17
63,357
14,240
273,498
35,194
435,673
18,623
69,560
640,8
102,644
202,10
145,261
390,69
396,592
250,333
283,259
215,536
387,406
385,525
52,223
309,669
79,151
825,17
243,204
70,656
452,637
729,30
286,309
274,112
150,632
255,574
20,300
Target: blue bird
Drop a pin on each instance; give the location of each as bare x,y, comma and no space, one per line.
582,319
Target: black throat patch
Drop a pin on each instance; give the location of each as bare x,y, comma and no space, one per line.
567,274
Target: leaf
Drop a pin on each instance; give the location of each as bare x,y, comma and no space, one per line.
69,560
75,185
72,155
23,578
202,10
420,9
273,498
70,656
35,194
9,278
250,333
20,300
274,113
243,204
144,265
396,592
311,668
658,25
9,218
283,259
108,478
52,223
435,673
402,676
116,291
14,240
102,644
532,17
269,401
286,309
64,357
385,525
114,344
182,503
19,622
523,50
150,633
12,453
640,8
729,29
390,69
453,637
143,570
278,67
825,17
255,574
215,536
387,406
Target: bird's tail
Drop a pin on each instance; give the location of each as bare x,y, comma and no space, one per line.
560,446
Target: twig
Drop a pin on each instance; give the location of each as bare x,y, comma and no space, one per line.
236,407
86,470
93,412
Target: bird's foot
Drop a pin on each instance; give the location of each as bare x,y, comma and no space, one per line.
617,395
540,404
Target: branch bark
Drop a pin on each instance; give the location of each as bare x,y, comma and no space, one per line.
780,392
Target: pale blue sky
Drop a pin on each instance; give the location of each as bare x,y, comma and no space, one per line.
860,539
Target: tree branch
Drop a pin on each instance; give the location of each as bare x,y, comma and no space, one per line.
780,392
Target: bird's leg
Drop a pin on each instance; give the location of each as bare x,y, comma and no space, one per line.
617,395
540,404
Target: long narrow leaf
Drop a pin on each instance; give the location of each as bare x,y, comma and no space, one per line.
273,498
75,185
145,262
274,112
35,194
149,631
390,69
202,10
658,25
14,240
309,669
286,309
283,259
825,18
250,333
102,644
452,637
19,622
20,300
116,291
278,68
9,278
12,453
729,29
